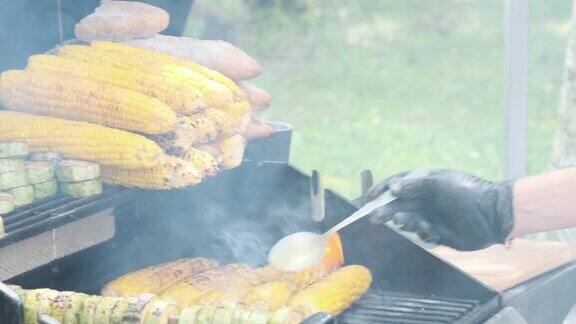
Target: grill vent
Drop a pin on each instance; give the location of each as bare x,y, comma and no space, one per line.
386,307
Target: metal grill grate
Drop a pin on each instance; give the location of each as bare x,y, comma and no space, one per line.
50,213
385,307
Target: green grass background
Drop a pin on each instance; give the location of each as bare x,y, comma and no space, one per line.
390,85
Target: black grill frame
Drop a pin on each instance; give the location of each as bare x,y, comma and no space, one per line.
405,271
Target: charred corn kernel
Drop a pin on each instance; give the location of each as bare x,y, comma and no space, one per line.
181,97
170,60
197,129
240,112
271,295
335,293
60,95
306,277
202,160
228,152
156,279
80,140
301,279
213,93
172,172
192,289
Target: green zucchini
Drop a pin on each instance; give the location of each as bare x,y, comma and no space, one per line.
45,157
104,309
39,172
11,165
30,305
45,299
59,304
259,317
6,203
205,314
13,149
9,180
22,195
285,315
76,171
223,314
45,190
188,315
136,308
81,189
86,311
72,309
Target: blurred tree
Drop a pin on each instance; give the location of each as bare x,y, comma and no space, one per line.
295,5
565,146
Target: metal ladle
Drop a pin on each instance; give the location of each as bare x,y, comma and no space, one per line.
301,250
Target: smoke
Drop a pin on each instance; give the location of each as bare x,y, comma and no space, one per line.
246,236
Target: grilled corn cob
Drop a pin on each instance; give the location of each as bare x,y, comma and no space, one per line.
240,112
214,93
198,129
335,293
80,140
156,279
67,97
228,152
202,161
181,97
171,172
271,295
172,61
301,279
192,289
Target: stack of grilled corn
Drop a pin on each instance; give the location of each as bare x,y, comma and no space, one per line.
150,119
200,291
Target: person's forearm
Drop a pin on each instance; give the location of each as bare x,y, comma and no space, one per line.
545,202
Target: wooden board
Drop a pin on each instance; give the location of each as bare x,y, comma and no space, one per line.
501,268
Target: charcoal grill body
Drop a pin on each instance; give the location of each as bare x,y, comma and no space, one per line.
218,219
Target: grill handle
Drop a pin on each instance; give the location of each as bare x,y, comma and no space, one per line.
10,306
317,212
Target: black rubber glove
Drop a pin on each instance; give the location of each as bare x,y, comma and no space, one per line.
448,207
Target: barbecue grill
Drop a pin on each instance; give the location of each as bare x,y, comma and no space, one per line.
237,216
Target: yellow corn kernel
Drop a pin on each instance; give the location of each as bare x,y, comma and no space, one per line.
172,60
202,161
191,290
181,97
335,293
80,140
169,173
156,279
67,97
214,93
228,152
271,295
